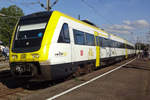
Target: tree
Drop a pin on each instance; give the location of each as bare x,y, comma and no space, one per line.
8,22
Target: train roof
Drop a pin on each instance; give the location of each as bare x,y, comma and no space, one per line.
38,14
89,24
84,22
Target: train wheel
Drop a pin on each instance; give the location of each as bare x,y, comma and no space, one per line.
88,68
78,72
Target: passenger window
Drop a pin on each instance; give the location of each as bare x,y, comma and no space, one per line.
79,37
114,44
110,43
105,43
118,45
90,39
101,41
122,45
64,34
97,40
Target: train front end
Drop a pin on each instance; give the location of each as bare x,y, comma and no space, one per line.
30,46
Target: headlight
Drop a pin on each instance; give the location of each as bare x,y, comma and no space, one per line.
14,56
35,55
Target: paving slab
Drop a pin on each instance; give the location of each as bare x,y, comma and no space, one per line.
131,82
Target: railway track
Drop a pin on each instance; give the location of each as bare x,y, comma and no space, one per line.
16,89
10,88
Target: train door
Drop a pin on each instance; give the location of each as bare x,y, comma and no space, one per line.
61,51
97,49
63,47
109,46
126,50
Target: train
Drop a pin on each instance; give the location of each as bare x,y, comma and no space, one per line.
52,45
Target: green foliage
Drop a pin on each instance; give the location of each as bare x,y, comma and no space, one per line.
8,22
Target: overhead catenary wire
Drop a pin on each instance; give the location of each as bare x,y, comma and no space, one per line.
28,3
96,12
24,3
54,3
37,2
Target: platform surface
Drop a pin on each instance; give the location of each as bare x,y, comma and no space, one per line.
130,82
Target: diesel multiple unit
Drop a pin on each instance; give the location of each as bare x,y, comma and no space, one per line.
52,45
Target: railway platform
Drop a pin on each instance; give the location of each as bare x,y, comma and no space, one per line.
127,80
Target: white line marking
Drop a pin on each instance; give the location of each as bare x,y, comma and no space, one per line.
71,89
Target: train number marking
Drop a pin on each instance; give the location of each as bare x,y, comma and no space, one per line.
61,54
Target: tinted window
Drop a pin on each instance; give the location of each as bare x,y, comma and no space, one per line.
101,41
90,39
64,34
122,45
97,41
119,45
79,37
114,44
130,47
105,42
29,32
111,43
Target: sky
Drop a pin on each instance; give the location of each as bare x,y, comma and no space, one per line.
129,19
